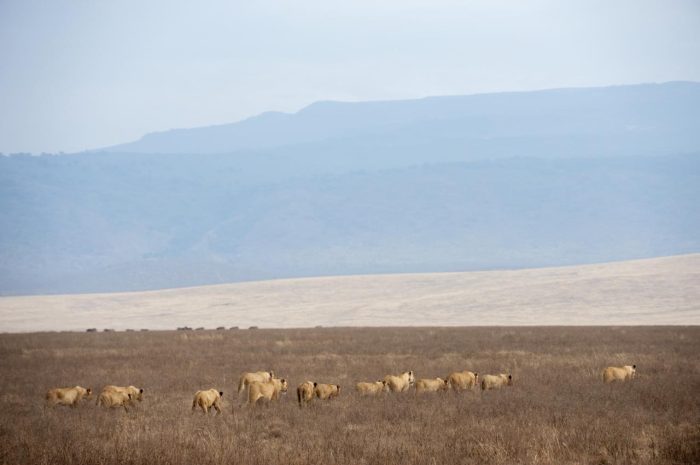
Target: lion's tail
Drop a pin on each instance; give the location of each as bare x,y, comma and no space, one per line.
299,396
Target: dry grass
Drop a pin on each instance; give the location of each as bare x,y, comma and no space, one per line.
557,412
659,291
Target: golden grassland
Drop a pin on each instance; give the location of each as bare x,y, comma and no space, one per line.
557,412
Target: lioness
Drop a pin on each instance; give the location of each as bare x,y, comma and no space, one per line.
327,391
400,383
259,376
496,381
431,385
371,389
207,399
269,390
624,373
114,399
66,396
136,393
305,392
461,380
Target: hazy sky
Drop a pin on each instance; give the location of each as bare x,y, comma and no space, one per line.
84,74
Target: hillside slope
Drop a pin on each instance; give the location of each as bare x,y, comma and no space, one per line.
640,292
82,224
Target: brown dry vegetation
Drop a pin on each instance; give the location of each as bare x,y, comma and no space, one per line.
558,410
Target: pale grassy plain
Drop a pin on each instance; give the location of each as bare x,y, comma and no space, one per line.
657,291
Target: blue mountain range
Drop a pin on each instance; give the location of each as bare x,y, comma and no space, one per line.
507,180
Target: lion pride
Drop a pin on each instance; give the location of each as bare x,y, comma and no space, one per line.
431,385
400,383
207,399
327,391
371,389
624,373
461,380
67,396
269,390
259,376
305,392
496,381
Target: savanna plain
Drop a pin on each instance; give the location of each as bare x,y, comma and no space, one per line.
558,411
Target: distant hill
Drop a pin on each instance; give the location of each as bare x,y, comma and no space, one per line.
443,184
642,119
659,291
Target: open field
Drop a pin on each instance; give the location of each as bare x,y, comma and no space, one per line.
660,291
557,412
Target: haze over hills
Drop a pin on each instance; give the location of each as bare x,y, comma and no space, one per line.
441,184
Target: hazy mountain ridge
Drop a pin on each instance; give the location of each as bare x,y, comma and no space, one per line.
631,111
400,198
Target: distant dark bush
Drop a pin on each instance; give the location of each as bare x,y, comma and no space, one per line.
253,327
91,330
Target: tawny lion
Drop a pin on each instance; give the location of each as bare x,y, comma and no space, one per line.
114,399
371,389
327,391
259,376
400,383
136,393
305,392
208,399
461,380
624,373
431,385
496,381
269,390
67,396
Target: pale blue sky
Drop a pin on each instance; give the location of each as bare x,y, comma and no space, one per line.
84,74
